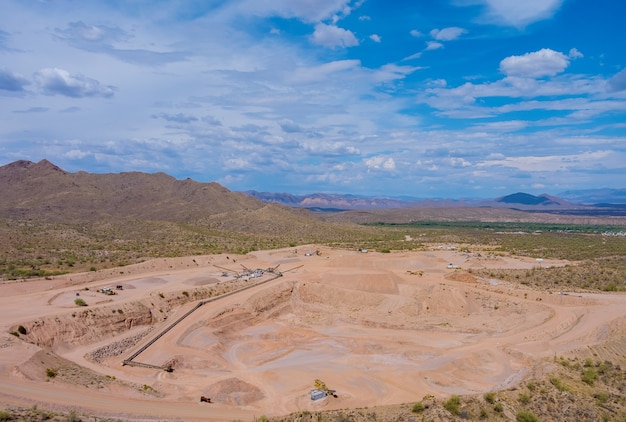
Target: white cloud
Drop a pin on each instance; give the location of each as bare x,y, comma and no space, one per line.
375,38
433,45
551,163
323,71
575,54
415,33
447,34
390,72
10,81
459,162
380,163
519,13
332,36
236,164
306,10
545,62
331,149
104,39
54,81
618,82
413,56
76,154
440,83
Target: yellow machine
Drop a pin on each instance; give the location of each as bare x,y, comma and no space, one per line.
321,386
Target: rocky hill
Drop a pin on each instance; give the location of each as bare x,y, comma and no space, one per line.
43,190
58,221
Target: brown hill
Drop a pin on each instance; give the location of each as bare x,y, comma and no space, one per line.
43,190
57,221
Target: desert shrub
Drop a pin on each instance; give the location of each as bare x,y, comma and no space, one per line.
601,397
418,407
558,384
21,329
453,405
51,372
604,367
490,398
186,293
73,416
498,407
80,302
524,398
589,375
5,415
526,416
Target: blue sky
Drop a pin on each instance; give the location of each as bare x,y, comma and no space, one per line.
433,99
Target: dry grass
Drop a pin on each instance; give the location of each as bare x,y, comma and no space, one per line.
563,395
604,274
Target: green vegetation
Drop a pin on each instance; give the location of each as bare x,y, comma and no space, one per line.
490,397
589,376
526,416
603,273
524,398
80,302
418,407
51,372
559,241
558,384
453,405
44,249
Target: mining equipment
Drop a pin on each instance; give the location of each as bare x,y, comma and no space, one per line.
321,390
227,271
107,291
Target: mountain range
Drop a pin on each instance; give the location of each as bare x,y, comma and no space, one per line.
43,189
610,202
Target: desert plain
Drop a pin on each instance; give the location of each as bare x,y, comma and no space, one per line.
379,328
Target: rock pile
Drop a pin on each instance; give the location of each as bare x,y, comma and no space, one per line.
116,348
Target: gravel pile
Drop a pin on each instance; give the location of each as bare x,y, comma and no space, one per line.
116,348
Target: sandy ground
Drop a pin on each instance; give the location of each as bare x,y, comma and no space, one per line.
377,328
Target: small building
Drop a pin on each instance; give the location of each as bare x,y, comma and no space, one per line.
317,394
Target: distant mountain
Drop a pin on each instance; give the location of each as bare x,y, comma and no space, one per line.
543,200
520,201
338,202
525,199
595,196
43,190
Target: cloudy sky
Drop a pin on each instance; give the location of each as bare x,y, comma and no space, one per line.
426,98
